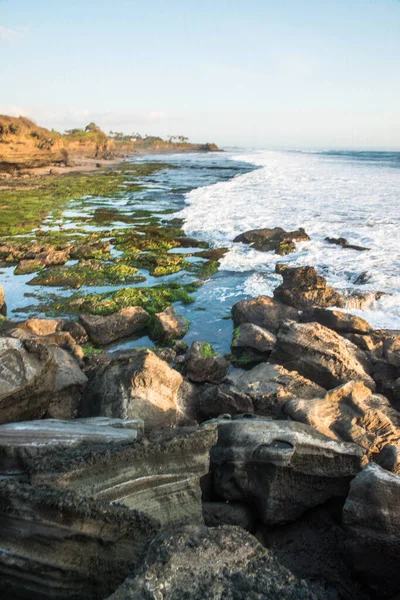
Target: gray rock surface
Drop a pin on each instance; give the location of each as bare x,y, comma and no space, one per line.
264,312
57,545
282,468
159,476
124,323
197,563
228,513
321,355
371,516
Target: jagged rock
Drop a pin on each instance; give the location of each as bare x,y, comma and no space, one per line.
321,354
276,239
104,330
391,350
251,344
312,547
135,385
55,544
351,413
21,441
264,312
303,288
168,325
27,371
338,321
371,344
159,476
198,563
203,364
389,458
356,299
269,386
371,516
282,468
3,305
228,513
341,241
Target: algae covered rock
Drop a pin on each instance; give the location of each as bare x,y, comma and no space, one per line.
203,364
124,323
198,563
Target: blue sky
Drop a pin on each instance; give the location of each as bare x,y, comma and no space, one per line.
287,73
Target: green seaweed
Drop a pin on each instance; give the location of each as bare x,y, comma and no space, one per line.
88,273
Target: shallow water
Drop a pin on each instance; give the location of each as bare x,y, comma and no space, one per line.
335,194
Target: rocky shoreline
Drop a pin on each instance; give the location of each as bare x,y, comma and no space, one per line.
175,472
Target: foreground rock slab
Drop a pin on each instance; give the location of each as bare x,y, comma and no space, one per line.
197,563
159,476
321,354
350,413
135,385
282,468
124,323
371,516
21,441
57,545
302,287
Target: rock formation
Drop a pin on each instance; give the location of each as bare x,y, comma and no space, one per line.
264,312
203,364
302,287
124,323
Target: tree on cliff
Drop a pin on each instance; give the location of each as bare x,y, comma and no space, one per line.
92,127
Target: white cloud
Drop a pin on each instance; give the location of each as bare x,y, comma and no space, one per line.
8,34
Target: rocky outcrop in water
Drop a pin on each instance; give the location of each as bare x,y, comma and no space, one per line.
302,287
282,468
124,323
273,240
195,563
343,243
55,544
168,325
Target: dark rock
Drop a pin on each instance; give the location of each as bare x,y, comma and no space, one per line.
371,516
350,413
389,459
276,239
203,364
159,476
3,305
264,312
340,322
124,323
77,332
282,468
134,385
345,244
251,344
228,513
303,288
200,563
58,545
168,325
321,355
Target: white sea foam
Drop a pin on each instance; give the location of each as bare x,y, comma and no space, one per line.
334,196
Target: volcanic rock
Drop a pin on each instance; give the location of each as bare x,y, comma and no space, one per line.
321,354
303,288
371,516
58,545
198,563
124,323
282,468
264,312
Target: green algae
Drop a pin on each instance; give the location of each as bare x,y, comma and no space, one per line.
207,350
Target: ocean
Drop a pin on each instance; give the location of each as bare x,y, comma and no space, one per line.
355,195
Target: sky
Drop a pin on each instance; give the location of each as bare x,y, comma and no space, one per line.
255,73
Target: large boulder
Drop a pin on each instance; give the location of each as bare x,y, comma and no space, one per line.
264,312
203,364
168,325
159,476
350,413
321,354
3,305
124,323
371,516
55,544
282,468
339,321
135,385
21,441
27,375
302,287
275,239
198,563
263,390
